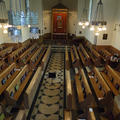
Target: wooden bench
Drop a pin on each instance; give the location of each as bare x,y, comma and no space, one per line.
14,55
21,115
68,90
103,93
26,56
27,43
116,108
105,55
6,51
112,79
75,57
15,89
7,76
46,58
96,57
84,55
91,115
2,46
67,62
67,115
35,59
32,88
3,65
85,96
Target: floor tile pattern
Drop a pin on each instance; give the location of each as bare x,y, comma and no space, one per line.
50,100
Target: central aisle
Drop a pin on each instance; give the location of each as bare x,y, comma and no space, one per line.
50,101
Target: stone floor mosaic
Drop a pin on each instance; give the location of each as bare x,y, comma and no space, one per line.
50,101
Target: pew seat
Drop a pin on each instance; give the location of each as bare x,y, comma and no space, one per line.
84,93
112,79
15,89
7,76
74,56
103,93
84,55
6,51
36,58
26,56
96,58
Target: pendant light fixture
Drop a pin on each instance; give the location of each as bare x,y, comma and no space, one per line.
98,24
18,18
84,17
3,17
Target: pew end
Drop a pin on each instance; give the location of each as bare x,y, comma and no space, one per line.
67,115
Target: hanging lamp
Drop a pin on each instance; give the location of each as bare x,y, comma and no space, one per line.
3,17
84,17
98,24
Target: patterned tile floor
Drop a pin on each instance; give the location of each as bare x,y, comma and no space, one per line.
50,100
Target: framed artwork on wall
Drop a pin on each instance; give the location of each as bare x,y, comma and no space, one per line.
105,36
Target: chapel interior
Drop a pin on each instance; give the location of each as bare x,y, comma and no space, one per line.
59,59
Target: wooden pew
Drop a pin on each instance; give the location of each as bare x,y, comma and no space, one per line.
96,57
32,88
68,82
15,89
21,115
27,43
67,115
112,50
105,54
3,66
116,108
26,56
35,59
112,79
2,46
68,90
103,93
46,58
14,55
7,76
75,57
85,96
67,62
91,115
6,51
84,55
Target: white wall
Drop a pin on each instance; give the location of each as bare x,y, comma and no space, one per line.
116,33
72,22
109,16
47,17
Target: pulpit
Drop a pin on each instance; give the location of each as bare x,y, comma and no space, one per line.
59,23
